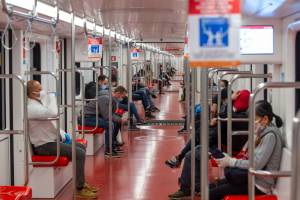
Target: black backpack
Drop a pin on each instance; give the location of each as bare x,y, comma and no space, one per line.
90,90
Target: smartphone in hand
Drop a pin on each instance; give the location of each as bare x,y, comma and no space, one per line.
217,153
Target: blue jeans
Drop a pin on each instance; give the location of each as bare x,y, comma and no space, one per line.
185,178
143,98
146,95
91,121
133,110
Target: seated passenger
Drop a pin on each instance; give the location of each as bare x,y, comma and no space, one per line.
133,111
267,156
240,103
176,160
43,135
103,118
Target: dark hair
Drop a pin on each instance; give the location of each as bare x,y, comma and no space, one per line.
225,82
102,77
120,89
264,108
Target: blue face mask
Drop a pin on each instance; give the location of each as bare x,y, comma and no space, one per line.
103,87
119,99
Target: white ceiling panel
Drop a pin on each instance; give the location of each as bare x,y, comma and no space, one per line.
270,8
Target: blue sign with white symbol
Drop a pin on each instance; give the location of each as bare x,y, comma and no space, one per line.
95,49
213,32
135,54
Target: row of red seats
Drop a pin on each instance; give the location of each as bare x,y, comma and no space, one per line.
25,193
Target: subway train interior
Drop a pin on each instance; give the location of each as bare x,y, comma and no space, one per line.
150,99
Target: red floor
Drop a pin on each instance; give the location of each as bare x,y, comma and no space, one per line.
141,174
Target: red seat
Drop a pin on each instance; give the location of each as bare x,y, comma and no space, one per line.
97,131
15,193
62,161
82,141
245,197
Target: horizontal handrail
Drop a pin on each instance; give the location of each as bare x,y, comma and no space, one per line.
273,174
12,132
233,119
45,119
235,133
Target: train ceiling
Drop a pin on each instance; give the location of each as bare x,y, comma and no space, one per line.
159,20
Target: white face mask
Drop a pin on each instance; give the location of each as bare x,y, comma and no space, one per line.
258,128
42,94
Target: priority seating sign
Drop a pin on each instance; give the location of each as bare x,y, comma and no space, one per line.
135,54
95,48
213,39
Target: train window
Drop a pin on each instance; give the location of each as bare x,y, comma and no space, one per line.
35,60
77,79
2,90
297,71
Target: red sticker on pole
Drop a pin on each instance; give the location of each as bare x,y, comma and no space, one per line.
58,47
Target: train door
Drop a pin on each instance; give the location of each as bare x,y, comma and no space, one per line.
297,71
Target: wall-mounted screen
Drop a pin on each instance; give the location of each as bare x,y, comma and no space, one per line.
256,40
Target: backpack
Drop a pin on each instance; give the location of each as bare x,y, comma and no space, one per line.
90,90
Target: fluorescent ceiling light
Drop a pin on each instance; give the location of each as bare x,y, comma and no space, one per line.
112,33
28,4
64,16
46,9
79,21
99,29
90,25
106,31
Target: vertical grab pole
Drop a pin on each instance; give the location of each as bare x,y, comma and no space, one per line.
110,96
187,94
193,91
204,135
73,94
295,193
26,135
129,81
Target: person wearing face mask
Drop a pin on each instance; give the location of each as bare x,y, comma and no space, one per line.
103,118
267,155
42,134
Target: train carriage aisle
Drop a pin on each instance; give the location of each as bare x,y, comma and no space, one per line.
141,173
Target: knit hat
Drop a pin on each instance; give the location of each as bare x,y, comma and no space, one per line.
242,102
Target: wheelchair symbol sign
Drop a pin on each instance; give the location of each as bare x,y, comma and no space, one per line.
213,32
94,48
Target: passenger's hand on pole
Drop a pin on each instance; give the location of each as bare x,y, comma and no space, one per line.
213,122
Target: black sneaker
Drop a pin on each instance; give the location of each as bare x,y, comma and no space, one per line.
154,109
133,128
153,96
182,131
173,163
113,154
149,115
118,144
140,122
180,194
119,150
